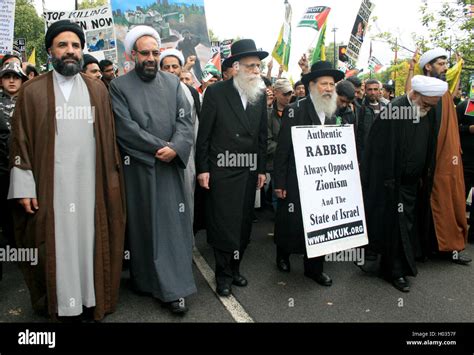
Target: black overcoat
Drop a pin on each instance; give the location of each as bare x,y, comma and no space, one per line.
289,231
226,129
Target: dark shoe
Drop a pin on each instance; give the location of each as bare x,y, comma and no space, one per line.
177,307
461,258
322,278
283,265
224,291
401,284
239,280
87,315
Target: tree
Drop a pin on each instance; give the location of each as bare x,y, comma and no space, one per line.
450,27
90,4
30,26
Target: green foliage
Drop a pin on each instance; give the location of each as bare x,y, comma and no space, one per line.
450,27
29,25
90,4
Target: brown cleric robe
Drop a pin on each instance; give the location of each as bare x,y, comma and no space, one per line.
448,203
32,148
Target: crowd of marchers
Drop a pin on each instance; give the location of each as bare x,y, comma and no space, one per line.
137,166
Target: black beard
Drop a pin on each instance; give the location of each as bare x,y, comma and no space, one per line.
146,74
69,69
441,76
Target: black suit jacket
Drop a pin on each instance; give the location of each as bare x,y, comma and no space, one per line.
226,126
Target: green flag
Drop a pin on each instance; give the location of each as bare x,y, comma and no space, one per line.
319,52
281,52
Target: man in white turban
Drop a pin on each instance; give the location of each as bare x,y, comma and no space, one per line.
155,135
446,233
398,161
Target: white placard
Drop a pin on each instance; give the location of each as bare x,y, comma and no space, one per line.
98,27
330,190
7,25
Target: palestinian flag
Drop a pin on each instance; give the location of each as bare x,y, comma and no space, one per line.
470,108
213,66
315,17
374,65
281,52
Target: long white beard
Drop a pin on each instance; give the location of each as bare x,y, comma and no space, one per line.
252,86
324,104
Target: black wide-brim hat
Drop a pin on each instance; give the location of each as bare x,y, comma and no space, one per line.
322,68
241,49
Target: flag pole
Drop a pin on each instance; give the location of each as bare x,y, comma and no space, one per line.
334,30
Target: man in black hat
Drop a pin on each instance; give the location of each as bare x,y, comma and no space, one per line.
318,108
230,159
91,67
66,180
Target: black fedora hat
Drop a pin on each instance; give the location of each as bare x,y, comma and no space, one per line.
241,49
322,68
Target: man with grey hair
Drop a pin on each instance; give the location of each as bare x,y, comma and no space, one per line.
283,92
155,136
316,109
230,160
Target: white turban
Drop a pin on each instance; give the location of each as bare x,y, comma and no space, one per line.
432,54
135,33
171,52
428,86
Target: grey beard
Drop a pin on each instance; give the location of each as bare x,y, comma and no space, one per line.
69,69
329,107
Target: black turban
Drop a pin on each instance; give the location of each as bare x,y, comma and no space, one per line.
63,26
88,59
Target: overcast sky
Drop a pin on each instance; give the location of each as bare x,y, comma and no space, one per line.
261,20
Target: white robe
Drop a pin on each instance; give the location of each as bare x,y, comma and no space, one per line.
74,195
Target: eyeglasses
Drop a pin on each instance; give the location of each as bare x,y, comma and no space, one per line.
251,66
146,53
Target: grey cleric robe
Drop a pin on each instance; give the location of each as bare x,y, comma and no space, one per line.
148,117
226,127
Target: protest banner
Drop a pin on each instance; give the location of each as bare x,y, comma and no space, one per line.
7,24
181,24
19,45
359,30
330,189
98,27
